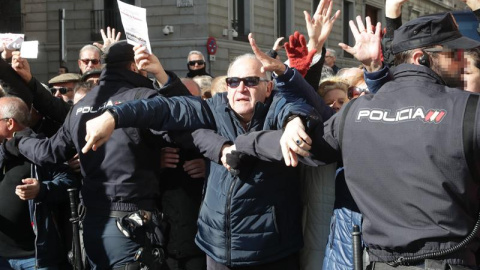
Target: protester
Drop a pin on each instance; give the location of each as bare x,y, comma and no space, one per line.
196,64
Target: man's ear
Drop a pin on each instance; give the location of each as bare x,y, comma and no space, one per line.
133,67
11,124
269,88
417,57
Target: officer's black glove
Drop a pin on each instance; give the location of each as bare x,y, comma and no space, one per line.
239,162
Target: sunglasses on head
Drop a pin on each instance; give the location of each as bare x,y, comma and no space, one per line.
62,90
354,91
198,62
94,61
234,82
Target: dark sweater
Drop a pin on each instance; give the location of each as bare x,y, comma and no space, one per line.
16,234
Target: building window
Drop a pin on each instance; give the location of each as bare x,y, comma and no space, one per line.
11,17
348,14
108,16
281,18
241,18
372,12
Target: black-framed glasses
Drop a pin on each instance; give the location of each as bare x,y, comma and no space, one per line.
62,90
456,54
94,61
198,62
354,91
250,81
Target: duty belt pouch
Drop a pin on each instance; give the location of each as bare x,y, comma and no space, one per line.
150,230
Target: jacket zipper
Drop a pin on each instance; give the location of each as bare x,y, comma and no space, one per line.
228,221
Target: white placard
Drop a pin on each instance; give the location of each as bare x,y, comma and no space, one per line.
12,41
134,20
29,49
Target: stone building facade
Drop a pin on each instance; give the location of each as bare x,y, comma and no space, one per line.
193,22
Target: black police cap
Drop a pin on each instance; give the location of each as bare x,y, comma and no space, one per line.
430,30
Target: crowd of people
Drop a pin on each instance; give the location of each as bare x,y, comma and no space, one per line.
226,172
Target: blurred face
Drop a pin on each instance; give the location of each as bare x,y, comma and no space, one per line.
449,64
471,76
66,88
89,59
335,99
242,98
195,61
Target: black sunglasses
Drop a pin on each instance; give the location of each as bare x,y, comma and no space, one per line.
234,82
198,62
94,61
62,90
354,91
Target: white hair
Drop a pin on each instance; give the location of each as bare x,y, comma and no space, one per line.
195,52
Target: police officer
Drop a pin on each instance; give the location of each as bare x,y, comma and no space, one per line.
414,176
120,178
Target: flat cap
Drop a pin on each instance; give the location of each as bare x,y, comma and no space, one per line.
430,30
66,77
118,52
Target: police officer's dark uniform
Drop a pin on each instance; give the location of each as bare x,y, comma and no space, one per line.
120,177
409,174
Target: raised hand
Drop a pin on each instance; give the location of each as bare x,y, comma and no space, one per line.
393,8
268,63
278,44
472,4
298,54
368,48
21,66
109,38
320,25
6,53
148,62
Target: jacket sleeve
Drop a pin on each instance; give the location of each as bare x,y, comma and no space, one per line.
392,25
375,80
265,145
210,143
54,150
17,87
48,105
314,74
54,189
160,113
293,86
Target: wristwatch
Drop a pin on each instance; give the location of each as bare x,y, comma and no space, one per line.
114,114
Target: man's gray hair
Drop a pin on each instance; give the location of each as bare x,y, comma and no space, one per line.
246,56
195,52
332,52
15,108
89,47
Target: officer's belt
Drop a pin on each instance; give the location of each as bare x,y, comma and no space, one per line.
107,212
